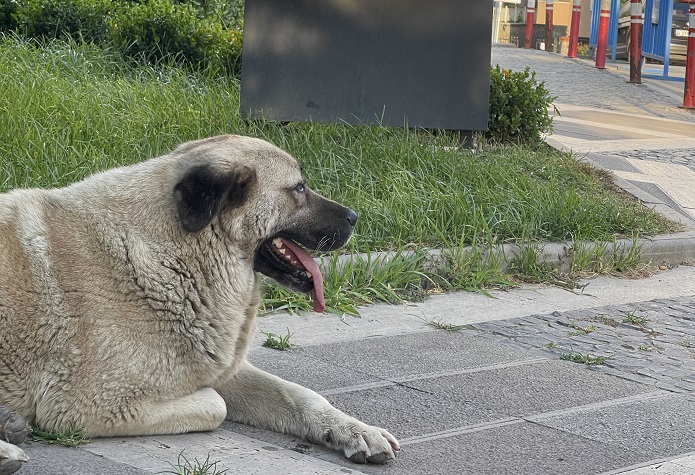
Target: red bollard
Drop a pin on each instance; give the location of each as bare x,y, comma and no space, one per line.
689,93
548,25
603,34
530,10
574,29
635,41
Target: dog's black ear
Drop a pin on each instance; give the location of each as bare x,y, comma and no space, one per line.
204,191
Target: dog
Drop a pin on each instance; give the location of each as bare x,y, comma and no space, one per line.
128,300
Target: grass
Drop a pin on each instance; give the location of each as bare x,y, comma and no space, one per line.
184,466
69,110
450,327
583,359
278,342
73,438
633,319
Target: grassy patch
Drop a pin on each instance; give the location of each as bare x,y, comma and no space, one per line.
69,110
73,438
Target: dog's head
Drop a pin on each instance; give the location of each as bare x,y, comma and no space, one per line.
257,196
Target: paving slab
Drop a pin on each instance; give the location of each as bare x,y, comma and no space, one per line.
515,449
47,459
652,427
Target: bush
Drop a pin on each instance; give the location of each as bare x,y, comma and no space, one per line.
8,12
78,19
200,33
161,30
518,107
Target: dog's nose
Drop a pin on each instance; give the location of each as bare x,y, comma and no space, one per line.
351,217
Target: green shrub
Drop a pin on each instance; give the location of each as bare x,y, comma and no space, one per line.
518,107
8,12
161,30
200,33
78,19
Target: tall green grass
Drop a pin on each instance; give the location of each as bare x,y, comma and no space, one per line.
68,110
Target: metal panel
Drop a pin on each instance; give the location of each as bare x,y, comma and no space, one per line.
394,62
656,36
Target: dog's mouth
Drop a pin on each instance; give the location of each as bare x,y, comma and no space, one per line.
290,265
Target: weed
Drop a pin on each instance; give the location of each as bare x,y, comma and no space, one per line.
450,327
552,345
606,320
583,359
186,467
633,319
581,331
686,343
72,438
527,267
278,342
645,348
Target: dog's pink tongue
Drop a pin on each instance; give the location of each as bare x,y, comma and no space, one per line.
310,266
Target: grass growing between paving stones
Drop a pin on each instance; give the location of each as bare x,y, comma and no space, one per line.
73,438
583,358
68,110
633,319
184,466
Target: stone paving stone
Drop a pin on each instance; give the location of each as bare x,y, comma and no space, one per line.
657,427
519,449
47,459
456,400
431,352
409,412
313,373
656,350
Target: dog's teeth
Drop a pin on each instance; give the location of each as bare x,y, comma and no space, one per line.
308,274
282,250
277,242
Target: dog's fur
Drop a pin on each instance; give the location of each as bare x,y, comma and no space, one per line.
128,300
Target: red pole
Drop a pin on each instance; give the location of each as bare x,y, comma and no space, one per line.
689,92
635,41
603,34
548,25
530,9
574,29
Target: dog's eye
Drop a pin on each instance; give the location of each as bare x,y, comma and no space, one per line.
299,188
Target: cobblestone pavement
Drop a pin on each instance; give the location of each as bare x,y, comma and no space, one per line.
591,87
650,342
685,156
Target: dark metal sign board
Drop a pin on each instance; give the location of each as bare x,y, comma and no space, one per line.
416,63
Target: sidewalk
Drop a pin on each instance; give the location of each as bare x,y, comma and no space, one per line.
497,397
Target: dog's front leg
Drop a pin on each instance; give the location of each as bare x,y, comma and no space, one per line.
260,399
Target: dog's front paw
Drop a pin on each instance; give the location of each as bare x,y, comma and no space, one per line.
361,443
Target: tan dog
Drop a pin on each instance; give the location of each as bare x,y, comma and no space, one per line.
128,300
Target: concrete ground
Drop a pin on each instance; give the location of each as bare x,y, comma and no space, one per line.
498,396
